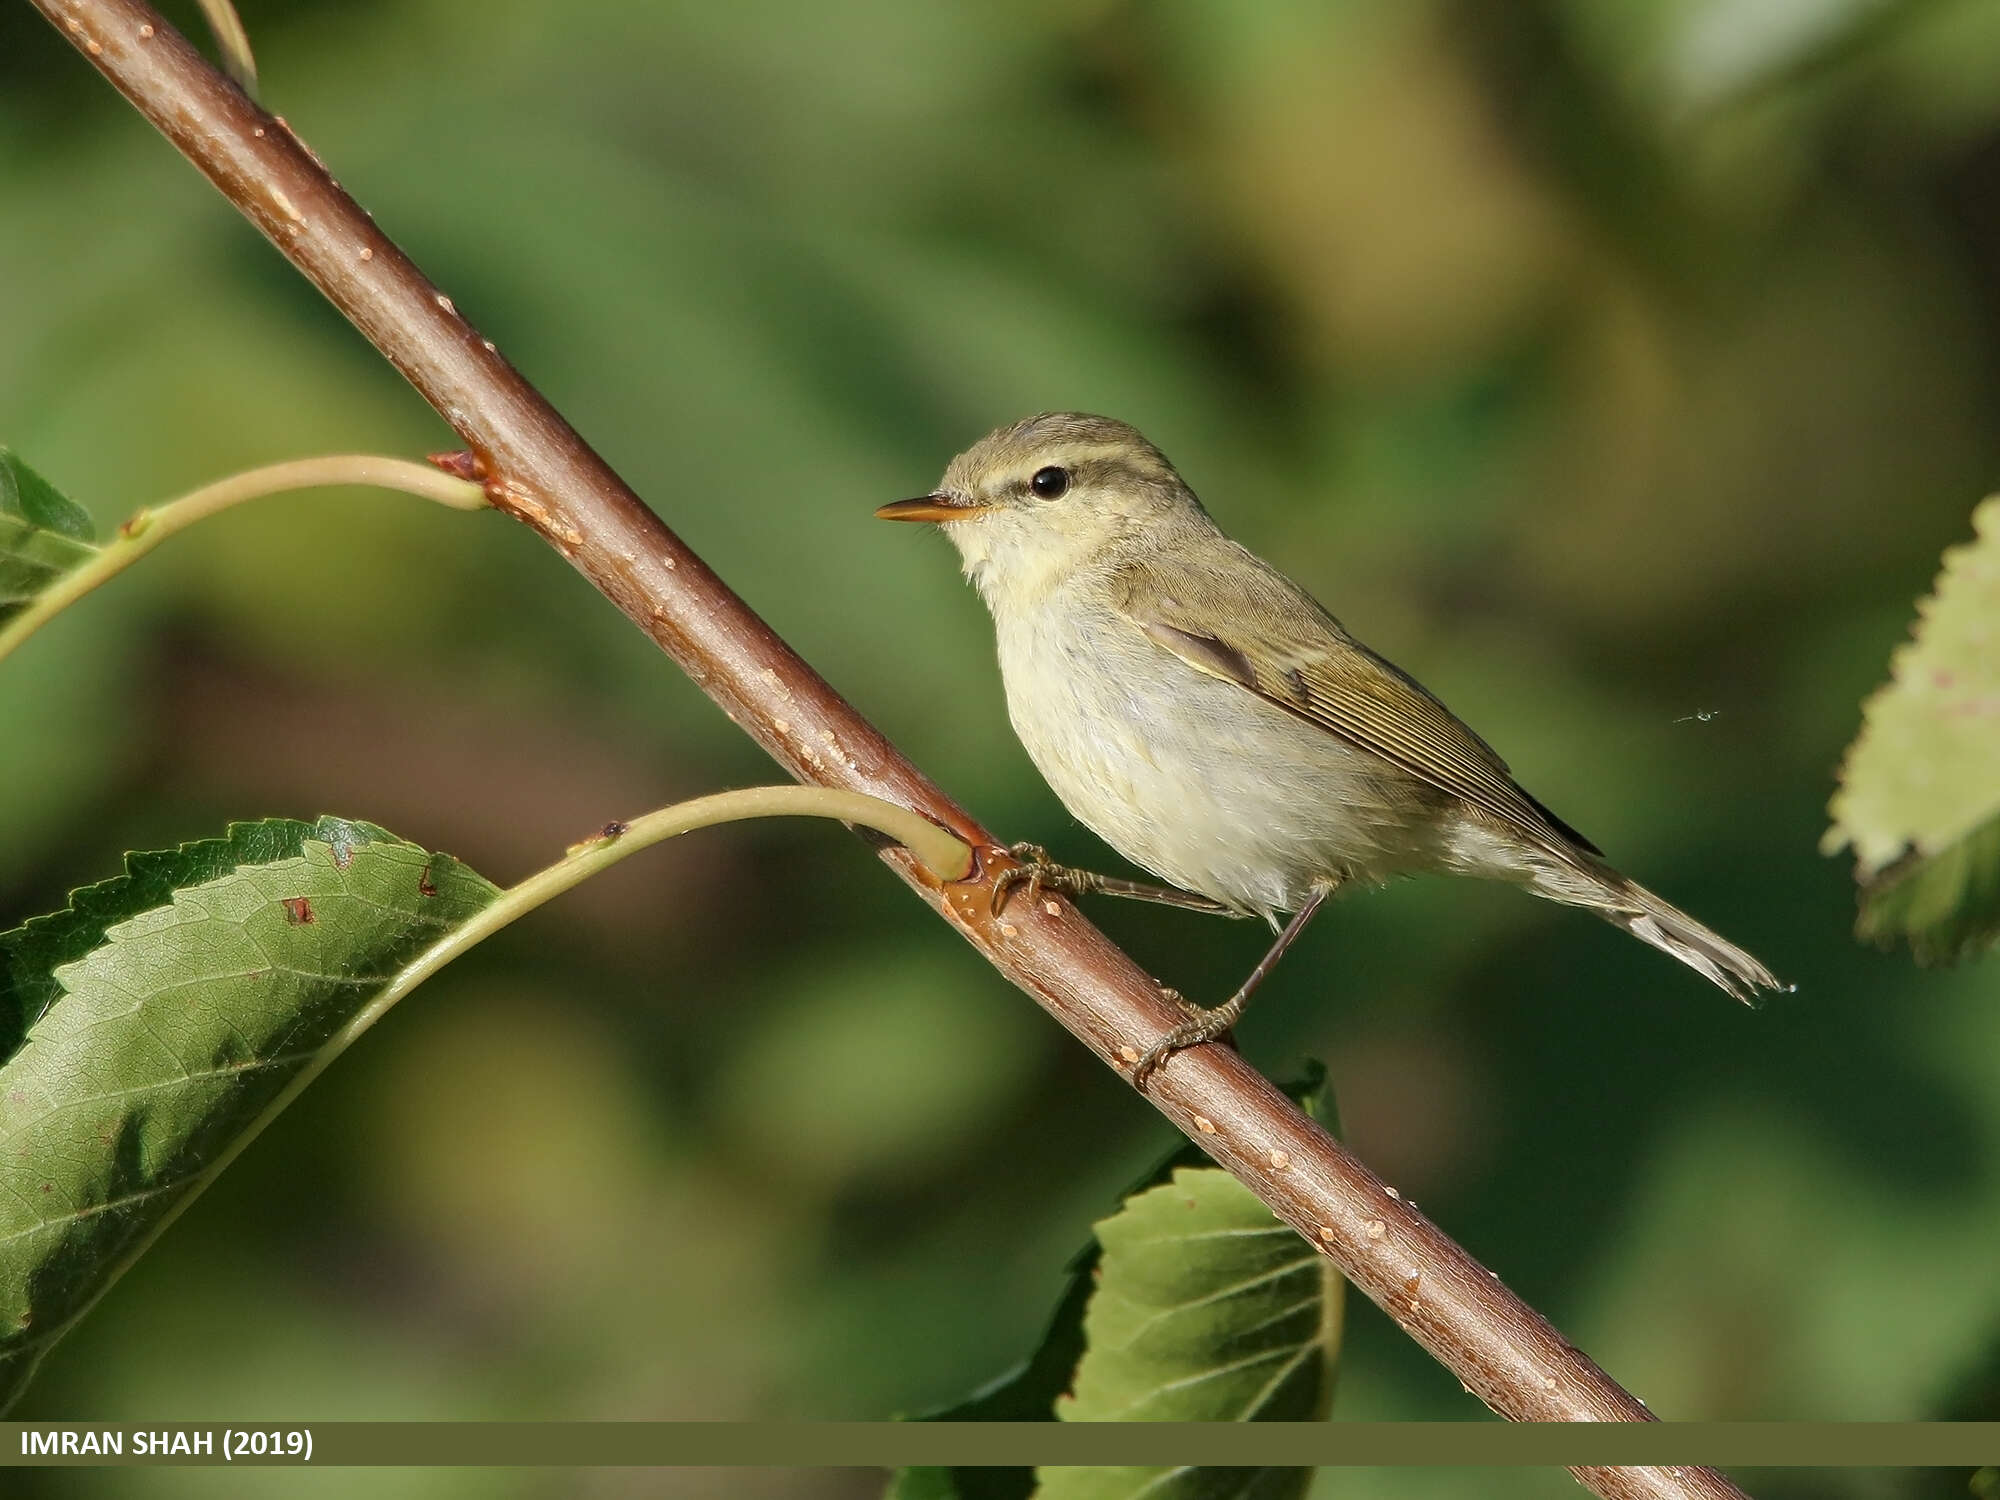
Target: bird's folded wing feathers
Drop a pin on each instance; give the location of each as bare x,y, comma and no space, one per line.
1301,660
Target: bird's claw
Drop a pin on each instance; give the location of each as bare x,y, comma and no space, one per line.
1035,870
1203,1024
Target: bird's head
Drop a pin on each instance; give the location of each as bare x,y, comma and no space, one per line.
1030,504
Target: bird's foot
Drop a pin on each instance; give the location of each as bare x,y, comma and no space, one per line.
1038,873
1203,1024
1184,1005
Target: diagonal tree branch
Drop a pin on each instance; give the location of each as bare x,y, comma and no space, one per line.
542,472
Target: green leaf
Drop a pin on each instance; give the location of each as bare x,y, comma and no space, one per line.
1027,1393
28,497
165,1010
1919,800
43,534
1947,906
32,952
1208,1309
1036,1390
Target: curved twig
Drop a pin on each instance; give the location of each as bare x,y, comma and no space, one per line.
153,525
1500,1348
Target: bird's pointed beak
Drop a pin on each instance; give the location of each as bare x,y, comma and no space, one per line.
938,507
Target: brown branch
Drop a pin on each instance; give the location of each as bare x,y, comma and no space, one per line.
542,472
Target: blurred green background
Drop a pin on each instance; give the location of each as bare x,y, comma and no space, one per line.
1620,370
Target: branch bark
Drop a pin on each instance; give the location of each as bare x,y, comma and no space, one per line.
542,472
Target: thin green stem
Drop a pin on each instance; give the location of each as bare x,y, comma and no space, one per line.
232,41
942,853
153,525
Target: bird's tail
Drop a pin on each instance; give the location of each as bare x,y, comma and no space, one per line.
1672,930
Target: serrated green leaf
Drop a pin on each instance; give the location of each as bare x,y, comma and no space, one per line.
32,952
1208,1309
26,496
1947,907
168,1009
1031,1390
1027,1393
1920,788
43,535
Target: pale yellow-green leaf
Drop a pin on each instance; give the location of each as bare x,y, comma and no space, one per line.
1920,790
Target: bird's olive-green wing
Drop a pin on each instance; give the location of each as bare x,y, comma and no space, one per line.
1232,617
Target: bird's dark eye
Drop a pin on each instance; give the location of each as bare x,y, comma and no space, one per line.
1051,483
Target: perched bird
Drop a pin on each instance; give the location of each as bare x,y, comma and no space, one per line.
1205,717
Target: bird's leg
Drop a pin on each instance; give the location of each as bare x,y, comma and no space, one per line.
1205,1025
1038,873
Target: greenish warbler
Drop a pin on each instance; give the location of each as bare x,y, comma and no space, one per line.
1204,716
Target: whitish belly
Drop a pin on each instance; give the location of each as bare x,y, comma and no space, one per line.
1197,779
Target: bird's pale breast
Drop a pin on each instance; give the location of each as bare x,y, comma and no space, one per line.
1195,778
